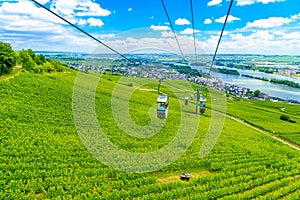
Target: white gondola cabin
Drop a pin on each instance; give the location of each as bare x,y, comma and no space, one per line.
202,104
162,106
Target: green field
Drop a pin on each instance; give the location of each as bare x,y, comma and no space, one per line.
266,115
42,154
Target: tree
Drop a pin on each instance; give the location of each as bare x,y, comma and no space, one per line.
26,59
256,93
48,67
57,65
7,58
39,59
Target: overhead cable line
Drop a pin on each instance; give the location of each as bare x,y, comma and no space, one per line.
224,24
193,27
81,30
175,36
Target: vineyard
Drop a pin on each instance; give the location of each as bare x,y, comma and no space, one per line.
42,155
268,117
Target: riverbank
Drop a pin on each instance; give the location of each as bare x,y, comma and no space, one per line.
240,91
277,91
276,81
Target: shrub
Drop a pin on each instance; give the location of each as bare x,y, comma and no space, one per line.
286,118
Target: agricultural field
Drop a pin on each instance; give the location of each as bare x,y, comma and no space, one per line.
268,117
44,156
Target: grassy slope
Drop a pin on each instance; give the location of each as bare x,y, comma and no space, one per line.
266,116
43,157
14,73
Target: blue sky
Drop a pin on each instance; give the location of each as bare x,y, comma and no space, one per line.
254,26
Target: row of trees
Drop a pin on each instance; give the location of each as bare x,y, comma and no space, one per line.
226,71
256,77
185,69
250,66
285,82
28,59
38,63
274,80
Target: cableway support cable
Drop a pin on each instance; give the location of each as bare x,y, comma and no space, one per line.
86,33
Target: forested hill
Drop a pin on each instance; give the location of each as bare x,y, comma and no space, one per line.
27,59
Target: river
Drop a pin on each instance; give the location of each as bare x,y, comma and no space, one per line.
274,90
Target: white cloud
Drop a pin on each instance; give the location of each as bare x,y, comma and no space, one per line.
75,10
293,35
224,33
24,12
207,21
256,35
257,42
95,22
295,17
229,20
189,31
104,36
129,9
79,8
245,2
250,2
82,22
43,1
152,17
26,9
214,2
269,22
160,28
127,42
268,1
65,8
24,25
182,21
167,34
280,33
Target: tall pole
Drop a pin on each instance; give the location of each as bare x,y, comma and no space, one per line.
159,82
197,99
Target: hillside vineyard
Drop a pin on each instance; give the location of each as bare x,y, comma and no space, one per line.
42,155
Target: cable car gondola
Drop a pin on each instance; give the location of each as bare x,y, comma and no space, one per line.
202,104
162,106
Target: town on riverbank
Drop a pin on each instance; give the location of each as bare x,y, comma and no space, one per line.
173,71
169,66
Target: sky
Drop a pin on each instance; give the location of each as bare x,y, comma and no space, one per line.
253,27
